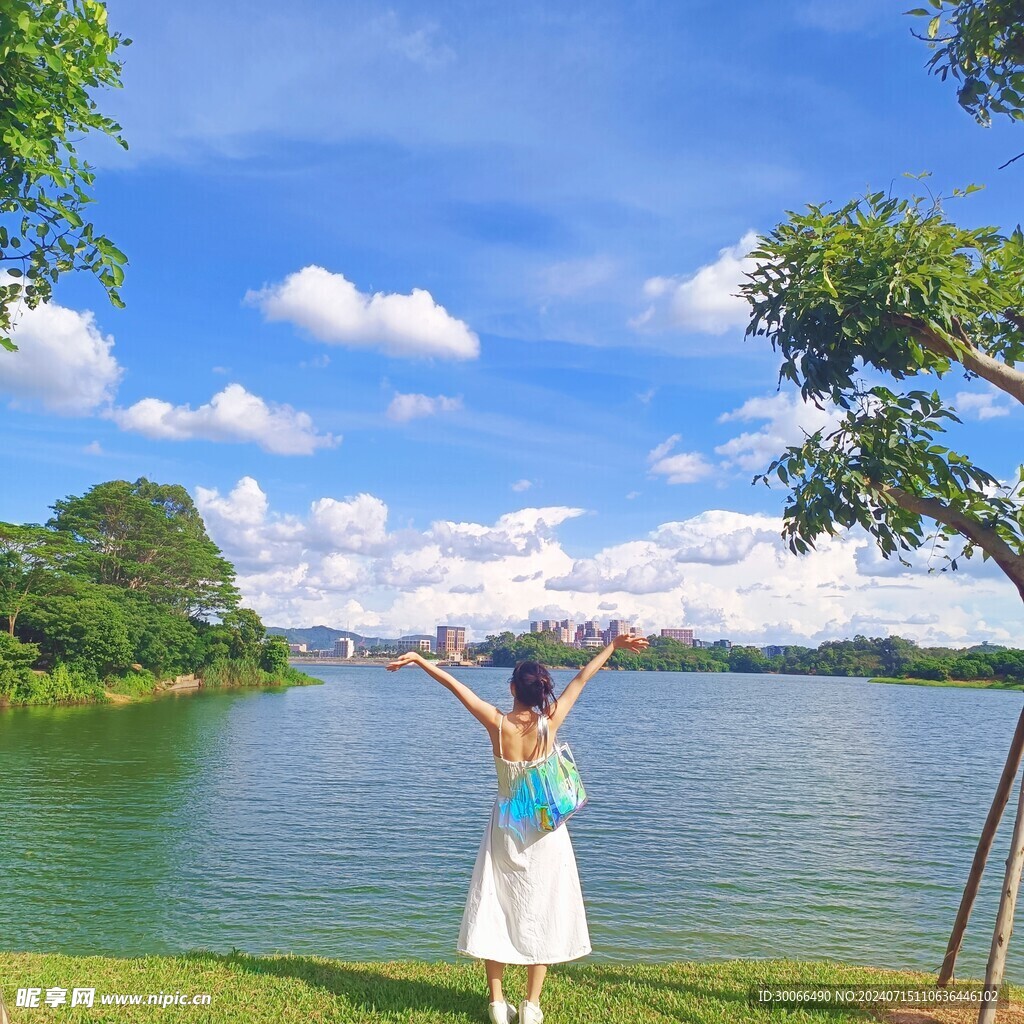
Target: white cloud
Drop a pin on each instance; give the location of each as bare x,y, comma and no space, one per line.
726,574
93,448
706,301
522,485
63,362
514,534
333,310
787,420
980,405
681,468
232,415
410,407
355,524
574,277
419,46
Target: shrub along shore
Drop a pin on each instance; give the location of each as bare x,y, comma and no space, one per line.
284,989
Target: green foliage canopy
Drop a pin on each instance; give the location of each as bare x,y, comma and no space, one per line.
149,538
53,55
981,44
890,286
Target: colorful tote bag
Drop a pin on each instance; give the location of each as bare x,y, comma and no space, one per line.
544,796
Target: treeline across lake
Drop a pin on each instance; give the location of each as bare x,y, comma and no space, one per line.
892,656
120,589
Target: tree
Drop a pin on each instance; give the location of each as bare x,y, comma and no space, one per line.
53,55
247,633
31,560
981,44
274,654
894,287
891,287
85,627
149,538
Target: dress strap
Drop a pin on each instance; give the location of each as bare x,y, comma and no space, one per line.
501,752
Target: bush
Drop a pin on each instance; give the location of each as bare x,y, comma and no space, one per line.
132,684
63,684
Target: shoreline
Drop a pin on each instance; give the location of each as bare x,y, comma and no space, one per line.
163,688
965,684
294,987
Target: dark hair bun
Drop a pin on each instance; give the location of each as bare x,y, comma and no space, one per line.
532,685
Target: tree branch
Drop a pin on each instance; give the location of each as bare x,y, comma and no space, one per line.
997,373
988,540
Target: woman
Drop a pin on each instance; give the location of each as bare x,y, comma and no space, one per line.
525,905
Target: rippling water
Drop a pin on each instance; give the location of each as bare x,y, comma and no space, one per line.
730,815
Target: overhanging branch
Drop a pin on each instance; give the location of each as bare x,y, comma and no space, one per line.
988,540
996,372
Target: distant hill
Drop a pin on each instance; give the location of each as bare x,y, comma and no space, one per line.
321,638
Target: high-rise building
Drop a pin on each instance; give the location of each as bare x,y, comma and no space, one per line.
451,641
684,636
344,647
296,648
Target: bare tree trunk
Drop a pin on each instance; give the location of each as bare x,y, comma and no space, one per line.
988,834
1004,919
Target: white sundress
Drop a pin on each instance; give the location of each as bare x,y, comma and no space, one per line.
525,904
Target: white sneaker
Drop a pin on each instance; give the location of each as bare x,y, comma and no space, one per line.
501,1013
530,1013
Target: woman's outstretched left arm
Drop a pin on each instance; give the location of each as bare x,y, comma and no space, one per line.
486,713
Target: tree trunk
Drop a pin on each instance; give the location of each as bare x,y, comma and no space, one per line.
988,834
1004,919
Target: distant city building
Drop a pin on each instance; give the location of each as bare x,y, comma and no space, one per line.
534,627
727,644
773,651
701,643
616,627
451,641
344,647
592,641
296,648
684,636
410,643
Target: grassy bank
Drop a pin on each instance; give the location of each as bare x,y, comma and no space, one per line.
280,989
64,686
973,684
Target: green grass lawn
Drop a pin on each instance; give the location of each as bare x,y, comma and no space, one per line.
280,989
975,684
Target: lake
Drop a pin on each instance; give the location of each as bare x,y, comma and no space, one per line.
730,816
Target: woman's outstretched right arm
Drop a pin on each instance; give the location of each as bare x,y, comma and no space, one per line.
571,693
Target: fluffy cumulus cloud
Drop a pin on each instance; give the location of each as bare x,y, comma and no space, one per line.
706,301
724,573
411,407
231,415
332,309
785,420
63,362
980,405
678,467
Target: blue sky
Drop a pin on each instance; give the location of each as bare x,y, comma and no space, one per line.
550,184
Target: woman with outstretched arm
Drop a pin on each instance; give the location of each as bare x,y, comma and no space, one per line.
525,904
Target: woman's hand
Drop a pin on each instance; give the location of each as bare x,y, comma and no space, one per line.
409,658
633,644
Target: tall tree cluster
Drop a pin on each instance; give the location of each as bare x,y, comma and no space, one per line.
123,578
